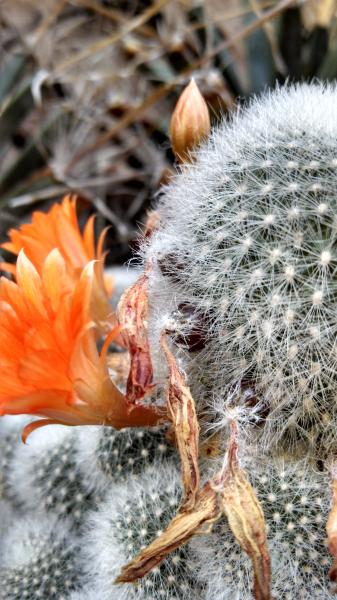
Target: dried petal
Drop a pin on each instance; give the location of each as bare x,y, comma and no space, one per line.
132,315
331,529
190,122
179,531
246,519
181,410
200,507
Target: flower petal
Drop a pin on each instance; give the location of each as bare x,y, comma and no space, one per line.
30,283
54,278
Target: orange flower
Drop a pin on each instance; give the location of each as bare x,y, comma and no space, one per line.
59,229
56,229
49,363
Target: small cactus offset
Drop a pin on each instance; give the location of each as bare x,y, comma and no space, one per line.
45,476
131,516
40,561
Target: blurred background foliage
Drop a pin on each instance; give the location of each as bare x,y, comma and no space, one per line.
87,89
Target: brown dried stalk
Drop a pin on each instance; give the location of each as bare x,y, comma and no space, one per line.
134,113
114,38
318,13
116,16
200,508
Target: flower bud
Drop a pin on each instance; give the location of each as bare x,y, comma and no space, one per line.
190,122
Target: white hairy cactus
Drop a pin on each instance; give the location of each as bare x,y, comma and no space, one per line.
295,500
44,475
107,456
132,515
8,515
10,440
244,264
39,561
87,593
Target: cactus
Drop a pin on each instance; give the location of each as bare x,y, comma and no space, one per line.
295,499
130,517
45,476
107,456
243,277
39,561
244,266
83,594
10,440
8,517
